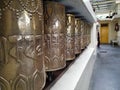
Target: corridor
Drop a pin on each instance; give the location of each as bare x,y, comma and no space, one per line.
106,72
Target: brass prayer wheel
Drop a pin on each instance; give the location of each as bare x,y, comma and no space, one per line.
82,35
70,37
77,36
85,35
54,36
21,45
89,34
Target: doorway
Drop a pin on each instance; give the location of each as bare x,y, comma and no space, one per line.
104,33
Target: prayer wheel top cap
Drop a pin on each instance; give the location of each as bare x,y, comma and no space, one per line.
54,15
53,2
77,19
70,15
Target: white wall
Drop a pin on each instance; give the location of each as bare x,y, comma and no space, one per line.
118,8
118,33
112,32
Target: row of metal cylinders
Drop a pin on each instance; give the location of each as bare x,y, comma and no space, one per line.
34,40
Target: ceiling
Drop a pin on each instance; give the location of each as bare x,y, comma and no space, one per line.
104,9
103,6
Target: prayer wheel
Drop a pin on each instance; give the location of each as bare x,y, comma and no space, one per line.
54,36
70,37
77,36
88,34
82,35
21,45
85,34
86,25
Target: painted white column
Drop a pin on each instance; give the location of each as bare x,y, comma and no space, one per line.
117,1
118,9
93,43
118,33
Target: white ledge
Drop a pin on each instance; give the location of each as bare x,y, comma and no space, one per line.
82,8
72,76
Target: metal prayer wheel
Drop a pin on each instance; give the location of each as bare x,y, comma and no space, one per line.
85,35
88,33
77,36
70,37
82,35
21,45
54,36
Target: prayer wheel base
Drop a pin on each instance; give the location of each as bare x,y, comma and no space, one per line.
50,76
70,59
55,69
76,55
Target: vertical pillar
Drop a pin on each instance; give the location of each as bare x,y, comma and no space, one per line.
118,12
118,33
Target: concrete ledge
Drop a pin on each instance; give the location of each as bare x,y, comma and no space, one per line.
72,78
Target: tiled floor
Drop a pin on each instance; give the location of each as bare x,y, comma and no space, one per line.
106,73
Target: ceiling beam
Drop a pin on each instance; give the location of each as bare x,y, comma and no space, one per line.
102,2
102,6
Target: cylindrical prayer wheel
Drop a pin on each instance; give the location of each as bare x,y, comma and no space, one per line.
82,35
77,36
89,34
21,45
85,34
70,37
54,36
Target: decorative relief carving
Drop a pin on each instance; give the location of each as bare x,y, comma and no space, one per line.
37,77
54,49
0,14
26,51
31,6
3,50
54,36
20,83
4,84
70,51
77,44
21,45
29,46
77,36
70,37
82,35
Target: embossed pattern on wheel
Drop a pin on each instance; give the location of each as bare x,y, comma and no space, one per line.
21,45
54,36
